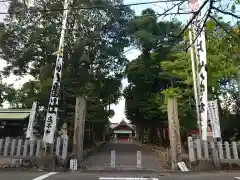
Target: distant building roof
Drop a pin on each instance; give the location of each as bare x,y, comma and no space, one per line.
14,110
14,114
114,125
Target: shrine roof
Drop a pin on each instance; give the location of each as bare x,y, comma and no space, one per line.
123,123
14,114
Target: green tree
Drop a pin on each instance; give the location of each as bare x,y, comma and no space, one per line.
155,39
221,68
93,54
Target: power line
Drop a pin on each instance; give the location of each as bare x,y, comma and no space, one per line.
107,6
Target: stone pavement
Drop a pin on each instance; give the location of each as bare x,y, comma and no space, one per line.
117,176
126,158
145,176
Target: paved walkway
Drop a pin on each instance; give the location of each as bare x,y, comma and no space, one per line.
126,158
118,175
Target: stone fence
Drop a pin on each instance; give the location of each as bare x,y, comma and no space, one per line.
223,152
14,151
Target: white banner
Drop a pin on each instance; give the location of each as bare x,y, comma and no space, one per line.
202,81
214,118
32,116
51,117
201,56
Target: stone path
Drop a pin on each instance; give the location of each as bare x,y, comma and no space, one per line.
126,158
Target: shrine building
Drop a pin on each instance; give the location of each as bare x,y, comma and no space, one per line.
123,131
13,122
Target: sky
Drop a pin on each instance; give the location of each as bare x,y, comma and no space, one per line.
132,54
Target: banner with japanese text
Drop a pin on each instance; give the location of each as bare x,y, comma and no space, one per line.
214,118
52,111
201,59
31,120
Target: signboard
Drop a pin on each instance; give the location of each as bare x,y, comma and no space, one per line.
73,164
122,132
31,120
214,118
182,166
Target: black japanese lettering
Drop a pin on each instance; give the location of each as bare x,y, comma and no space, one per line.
198,31
53,105
201,87
58,66
49,125
50,120
55,89
58,77
209,125
199,46
198,28
202,107
200,66
202,76
47,131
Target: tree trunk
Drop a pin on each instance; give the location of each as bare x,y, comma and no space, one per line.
159,134
142,134
149,134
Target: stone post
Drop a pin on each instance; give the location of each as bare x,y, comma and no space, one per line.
174,132
79,127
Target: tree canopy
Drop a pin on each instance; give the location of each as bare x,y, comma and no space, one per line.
164,70
93,53
94,61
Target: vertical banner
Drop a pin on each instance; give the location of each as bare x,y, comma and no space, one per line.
52,111
32,116
201,55
202,76
214,118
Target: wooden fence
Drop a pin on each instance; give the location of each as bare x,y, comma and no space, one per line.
203,150
16,148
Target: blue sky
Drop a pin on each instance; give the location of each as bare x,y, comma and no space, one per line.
120,107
